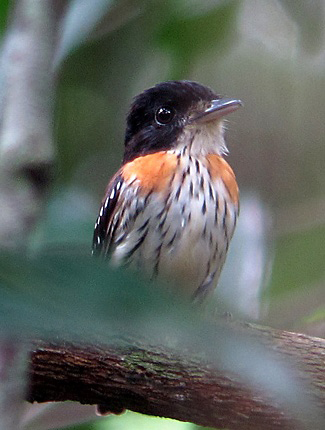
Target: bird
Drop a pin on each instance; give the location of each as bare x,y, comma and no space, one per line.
171,209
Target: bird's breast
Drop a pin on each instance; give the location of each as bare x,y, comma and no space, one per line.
179,216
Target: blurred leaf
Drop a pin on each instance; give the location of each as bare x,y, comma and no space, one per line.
81,298
4,9
80,19
317,316
60,293
310,17
121,12
299,260
134,421
90,426
83,117
187,37
68,221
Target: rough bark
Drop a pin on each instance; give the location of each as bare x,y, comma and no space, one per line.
155,381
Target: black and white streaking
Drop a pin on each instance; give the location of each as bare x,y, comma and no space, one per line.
172,207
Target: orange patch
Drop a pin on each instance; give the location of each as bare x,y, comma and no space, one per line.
219,168
153,171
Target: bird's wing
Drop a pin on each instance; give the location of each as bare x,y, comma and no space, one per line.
126,197
106,223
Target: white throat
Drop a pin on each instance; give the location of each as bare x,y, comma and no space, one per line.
203,139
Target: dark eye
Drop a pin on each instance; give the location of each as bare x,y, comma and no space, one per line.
164,115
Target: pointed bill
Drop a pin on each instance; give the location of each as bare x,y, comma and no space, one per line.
217,109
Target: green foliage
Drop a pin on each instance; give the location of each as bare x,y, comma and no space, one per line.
61,293
299,260
317,316
88,426
4,9
188,35
134,421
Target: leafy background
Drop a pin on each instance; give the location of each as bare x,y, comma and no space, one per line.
271,55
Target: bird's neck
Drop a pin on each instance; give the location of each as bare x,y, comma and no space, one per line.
198,141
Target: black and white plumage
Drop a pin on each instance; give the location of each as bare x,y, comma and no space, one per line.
172,207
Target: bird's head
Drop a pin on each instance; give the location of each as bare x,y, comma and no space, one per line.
177,115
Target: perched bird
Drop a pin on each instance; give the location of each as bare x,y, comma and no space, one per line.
171,208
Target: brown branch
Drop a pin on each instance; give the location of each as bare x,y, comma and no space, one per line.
155,381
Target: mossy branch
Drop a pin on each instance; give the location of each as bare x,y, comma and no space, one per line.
157,381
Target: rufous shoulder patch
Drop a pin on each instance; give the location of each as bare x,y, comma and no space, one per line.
219,168
153,171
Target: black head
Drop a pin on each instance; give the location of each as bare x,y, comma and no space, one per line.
159,114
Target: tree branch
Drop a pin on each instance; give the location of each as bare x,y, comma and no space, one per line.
26,157
26,117
155,381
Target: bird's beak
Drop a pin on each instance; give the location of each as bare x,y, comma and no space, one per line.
217,109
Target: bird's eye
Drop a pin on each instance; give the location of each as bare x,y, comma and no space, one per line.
164,115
